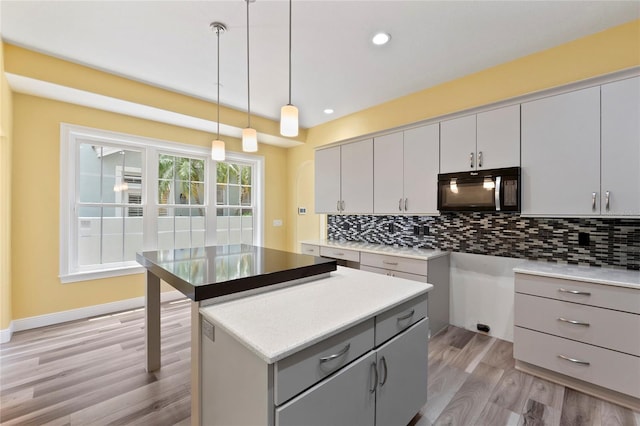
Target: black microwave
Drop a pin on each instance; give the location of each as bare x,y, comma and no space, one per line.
481,190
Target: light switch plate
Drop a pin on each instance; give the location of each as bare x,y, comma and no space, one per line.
277,222
302,210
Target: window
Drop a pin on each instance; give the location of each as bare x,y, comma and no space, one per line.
122,194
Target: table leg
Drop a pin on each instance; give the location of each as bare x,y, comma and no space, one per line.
152,322
196,365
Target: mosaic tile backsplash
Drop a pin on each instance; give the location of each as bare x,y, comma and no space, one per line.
595,242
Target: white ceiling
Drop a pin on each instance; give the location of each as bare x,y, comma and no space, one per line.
170,44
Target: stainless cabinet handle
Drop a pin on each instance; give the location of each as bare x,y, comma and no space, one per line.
400,204
338,253
374,367
384,365
496,192
593,201
606,200
390,263
342,205
310,250
479,158
406,316
406,204
574,322
582,293
575,361
334,356
338,205
471,160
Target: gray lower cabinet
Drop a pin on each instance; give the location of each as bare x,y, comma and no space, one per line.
386,387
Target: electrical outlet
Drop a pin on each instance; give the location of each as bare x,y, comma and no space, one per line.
416,230
425,230
358,227
392,228
583,239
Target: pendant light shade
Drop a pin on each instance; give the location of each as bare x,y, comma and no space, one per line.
217,150
289,113
217,146
249,135
249,140
289,120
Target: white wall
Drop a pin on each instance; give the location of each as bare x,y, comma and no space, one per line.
482,290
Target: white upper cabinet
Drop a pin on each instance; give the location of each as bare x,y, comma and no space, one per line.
458,144
498,138
327,180
620,186
421,167
561,154
388,179
357,177
406,171
344,178
488,140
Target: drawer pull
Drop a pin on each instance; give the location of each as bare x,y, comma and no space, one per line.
586,324
582,293
334,356
575,361
375,374
310,250
384,365
406,316
338,253
390,263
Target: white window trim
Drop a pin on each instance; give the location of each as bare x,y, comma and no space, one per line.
69,135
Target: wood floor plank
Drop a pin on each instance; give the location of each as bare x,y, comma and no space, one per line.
495,415
500,355
579,409
512,391
469,352
443,385
537,414
473,395
615,415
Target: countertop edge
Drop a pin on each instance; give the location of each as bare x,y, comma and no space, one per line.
384,249
572,275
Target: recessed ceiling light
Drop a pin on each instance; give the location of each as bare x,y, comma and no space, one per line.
380,39
328,111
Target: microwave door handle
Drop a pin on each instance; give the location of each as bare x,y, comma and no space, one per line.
497,192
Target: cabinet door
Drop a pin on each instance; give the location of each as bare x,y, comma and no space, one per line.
344,399
561,154
387,174
357,176
327,179
402,376
498,143
421,167
621,147
458,144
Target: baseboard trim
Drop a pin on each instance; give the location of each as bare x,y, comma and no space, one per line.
86,312
5,335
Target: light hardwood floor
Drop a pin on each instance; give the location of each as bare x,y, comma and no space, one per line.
91,372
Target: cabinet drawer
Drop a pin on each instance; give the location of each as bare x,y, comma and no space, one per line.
302,369
310,249
405,275
598,326
605,296
392,322
607,368
339,253
395,263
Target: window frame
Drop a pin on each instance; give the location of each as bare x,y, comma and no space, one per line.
70,138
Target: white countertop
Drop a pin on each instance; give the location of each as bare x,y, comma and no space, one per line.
409,252
278,323
592,274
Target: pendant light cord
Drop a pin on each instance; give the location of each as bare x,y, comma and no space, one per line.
218,95
248,74
290,1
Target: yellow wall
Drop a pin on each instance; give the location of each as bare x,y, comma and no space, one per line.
36,169
611,50
6,123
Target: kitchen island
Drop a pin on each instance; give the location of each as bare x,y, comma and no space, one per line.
299,331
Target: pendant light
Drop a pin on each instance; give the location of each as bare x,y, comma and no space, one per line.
289,113
217,146
249,135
